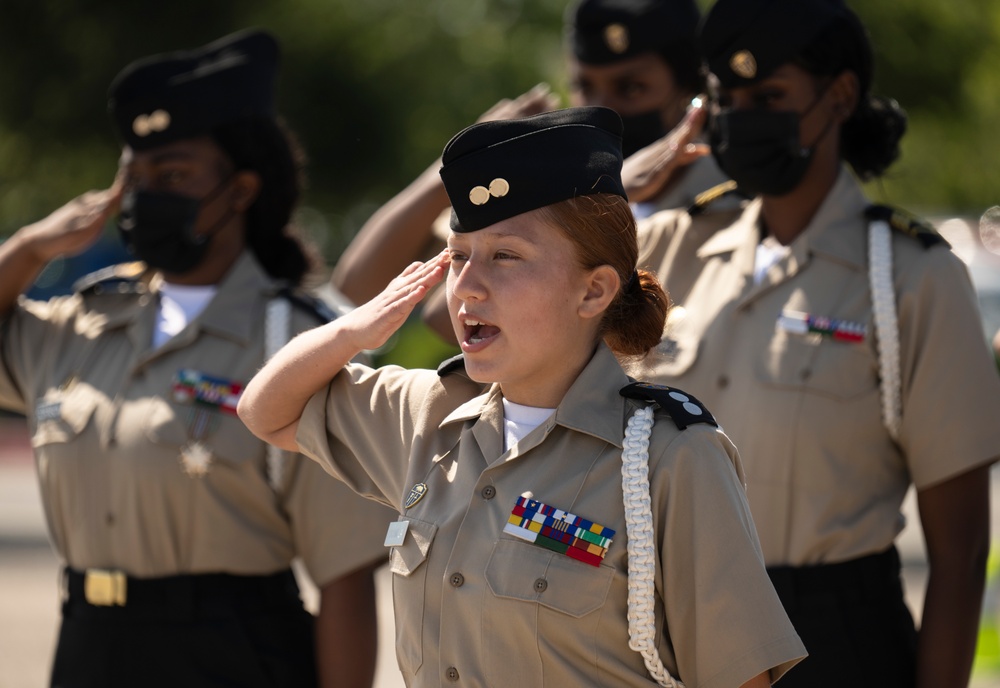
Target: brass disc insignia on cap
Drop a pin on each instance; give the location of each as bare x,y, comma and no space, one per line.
159,120
140,125
499,187
743,64
479,195
417,493
616,36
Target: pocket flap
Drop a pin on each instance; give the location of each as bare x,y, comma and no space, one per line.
407,558
522,571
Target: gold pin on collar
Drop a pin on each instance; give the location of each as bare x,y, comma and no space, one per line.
743,64
616,37
499,188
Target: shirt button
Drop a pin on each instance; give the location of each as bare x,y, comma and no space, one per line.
722,382
452,674
109,518
457,580
541,584
805,374
489,492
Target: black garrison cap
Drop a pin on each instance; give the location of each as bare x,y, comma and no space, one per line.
743,41
496,170
604,31
185,94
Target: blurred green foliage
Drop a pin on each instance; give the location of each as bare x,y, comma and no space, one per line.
375,88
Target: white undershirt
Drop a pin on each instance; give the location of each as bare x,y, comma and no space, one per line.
519,420
769,252
179,305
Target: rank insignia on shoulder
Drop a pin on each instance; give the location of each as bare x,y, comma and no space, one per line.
315,307
706,198
455,364
682,408
123,278
902,221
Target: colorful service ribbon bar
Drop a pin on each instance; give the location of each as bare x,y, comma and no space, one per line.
840,330
559,531
191,386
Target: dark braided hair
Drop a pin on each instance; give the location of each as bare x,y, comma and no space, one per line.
270,149
869,139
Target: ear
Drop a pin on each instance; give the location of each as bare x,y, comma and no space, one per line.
246,187
844,94
602,287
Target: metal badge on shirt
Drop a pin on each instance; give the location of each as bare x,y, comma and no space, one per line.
559,531
208,395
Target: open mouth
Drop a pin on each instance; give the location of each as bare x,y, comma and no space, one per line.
477,332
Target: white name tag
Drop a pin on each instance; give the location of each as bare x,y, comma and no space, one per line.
48,411
396,534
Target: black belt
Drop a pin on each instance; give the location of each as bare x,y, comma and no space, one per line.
873,574
178,595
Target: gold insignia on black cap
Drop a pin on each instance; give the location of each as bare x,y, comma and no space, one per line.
743,64
157,120
616,36
499,188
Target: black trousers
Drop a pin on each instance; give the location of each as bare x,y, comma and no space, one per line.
210,630
854,622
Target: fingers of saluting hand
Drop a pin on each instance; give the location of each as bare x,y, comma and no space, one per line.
378,319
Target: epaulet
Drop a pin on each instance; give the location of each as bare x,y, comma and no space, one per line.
706,198
683,408
455,364
122,278
903,222
315,307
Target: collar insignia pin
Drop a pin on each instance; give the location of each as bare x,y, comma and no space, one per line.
417,493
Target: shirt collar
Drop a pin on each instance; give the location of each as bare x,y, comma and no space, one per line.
832,232
585,408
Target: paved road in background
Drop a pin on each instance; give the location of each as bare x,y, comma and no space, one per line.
29,609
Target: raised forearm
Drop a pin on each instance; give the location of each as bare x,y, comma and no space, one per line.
19,266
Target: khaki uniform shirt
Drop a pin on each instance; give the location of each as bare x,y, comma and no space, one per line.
479,606
108,434
824,479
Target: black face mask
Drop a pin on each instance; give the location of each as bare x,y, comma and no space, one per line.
158,228
760,150
641,130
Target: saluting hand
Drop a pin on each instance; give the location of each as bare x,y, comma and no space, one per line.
74,227
533,102
648,171
372,323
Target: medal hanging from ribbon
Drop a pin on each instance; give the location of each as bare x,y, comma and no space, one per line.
208,395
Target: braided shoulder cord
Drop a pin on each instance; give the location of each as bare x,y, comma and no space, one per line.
886,323
277,326
641,548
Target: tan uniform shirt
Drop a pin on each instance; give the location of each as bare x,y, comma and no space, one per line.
824,479
108,433
483,607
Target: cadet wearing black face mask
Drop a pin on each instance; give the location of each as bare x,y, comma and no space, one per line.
176,526
840,346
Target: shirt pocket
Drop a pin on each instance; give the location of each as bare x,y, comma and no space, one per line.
526,572
408,565
61,417
541,602
224,435
813,363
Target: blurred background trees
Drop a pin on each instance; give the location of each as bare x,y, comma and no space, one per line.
375,88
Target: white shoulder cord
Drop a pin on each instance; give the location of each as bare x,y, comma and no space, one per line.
886,323
277,327
641,548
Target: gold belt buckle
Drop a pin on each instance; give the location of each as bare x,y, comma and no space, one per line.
104,588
